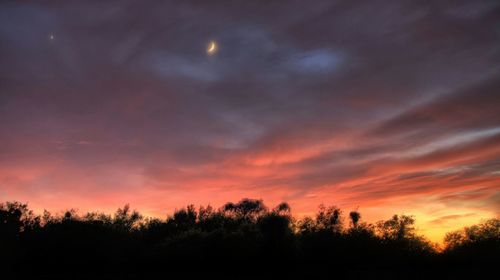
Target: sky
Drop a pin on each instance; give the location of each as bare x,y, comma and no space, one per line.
388,107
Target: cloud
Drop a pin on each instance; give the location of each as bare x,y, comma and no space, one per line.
474,107
450,218
316,61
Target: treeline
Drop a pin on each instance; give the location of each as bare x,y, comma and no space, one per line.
244,236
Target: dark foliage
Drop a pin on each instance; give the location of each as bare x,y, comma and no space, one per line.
245,238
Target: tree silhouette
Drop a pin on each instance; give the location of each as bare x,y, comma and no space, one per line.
329,218
355,216
246,208
481,241
397,228
243,236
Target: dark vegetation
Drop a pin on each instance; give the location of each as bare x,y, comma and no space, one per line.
239,240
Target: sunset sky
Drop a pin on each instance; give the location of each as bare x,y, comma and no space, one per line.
383,106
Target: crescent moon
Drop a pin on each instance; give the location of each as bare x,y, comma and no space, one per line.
212,47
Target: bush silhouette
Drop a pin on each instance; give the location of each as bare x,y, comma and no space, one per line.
481,241
245,236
